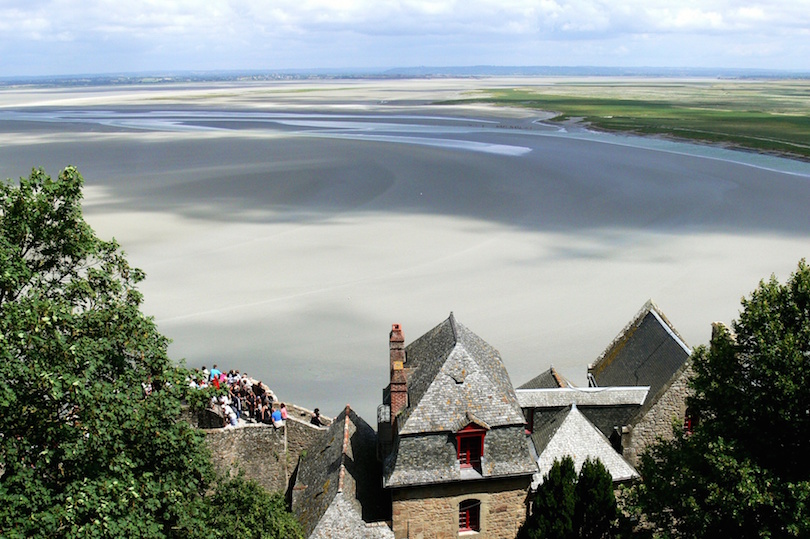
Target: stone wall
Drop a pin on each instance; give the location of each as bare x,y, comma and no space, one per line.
658,420
431,512
267,455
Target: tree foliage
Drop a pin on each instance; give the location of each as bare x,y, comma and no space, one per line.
743,472
242,508
567,506
84,450
595,510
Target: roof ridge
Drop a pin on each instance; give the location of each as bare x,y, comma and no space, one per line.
648,306
452,320
671,329
561,382
345,448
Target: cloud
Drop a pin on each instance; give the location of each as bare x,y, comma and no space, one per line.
311,33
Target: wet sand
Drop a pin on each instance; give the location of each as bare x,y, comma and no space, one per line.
286,246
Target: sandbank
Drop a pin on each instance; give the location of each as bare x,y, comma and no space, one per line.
287,248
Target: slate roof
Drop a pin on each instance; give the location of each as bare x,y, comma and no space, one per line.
591,396
647,352
606,407
546,380
453,372
455,378
338,485
566,431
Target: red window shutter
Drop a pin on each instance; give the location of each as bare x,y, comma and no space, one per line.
469,515
470,446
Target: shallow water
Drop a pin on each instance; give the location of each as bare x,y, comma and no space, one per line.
285,242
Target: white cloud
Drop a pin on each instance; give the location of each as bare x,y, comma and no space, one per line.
310,33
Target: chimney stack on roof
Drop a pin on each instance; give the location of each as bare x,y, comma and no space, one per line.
399,382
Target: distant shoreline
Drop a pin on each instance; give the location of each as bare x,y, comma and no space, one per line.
395,73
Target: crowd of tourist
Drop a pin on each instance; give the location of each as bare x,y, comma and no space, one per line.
246,399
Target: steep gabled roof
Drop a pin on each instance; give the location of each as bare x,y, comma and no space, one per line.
549,379
339,482
568,432
453,372
647,352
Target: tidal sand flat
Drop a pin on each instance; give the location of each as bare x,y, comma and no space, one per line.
284,227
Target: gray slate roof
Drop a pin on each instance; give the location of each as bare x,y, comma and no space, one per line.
453,372
591,396
455,378
567,431
549,379
342,520
339,482
606,407
647,352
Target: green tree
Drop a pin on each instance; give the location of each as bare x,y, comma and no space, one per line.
566,506
554,503
595,510
743,472
85,449
244,509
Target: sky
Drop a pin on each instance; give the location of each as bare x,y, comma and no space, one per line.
64,37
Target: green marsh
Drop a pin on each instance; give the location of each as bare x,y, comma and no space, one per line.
765,115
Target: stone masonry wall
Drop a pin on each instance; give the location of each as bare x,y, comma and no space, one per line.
431,512
267,455
657,422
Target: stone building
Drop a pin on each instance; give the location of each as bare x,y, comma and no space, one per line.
452,438
563,422
647,352
637,389
337,490
457,448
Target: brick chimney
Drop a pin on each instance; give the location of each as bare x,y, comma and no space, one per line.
399,382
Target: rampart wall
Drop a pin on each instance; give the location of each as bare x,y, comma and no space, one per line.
266,454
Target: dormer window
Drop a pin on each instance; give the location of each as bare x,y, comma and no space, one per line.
470,446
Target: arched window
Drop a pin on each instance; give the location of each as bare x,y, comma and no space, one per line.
469,516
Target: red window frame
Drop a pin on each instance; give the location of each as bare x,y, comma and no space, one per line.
690,421
470,446
469,516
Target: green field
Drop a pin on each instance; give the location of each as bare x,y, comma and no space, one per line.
763,115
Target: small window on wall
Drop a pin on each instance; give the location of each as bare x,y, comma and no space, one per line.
469,516
690,421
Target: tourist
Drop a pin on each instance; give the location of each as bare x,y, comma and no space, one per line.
264,414
251,404
214,374
278,422
283,411
258,389
316,418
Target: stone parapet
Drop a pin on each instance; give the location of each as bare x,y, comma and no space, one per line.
266,454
